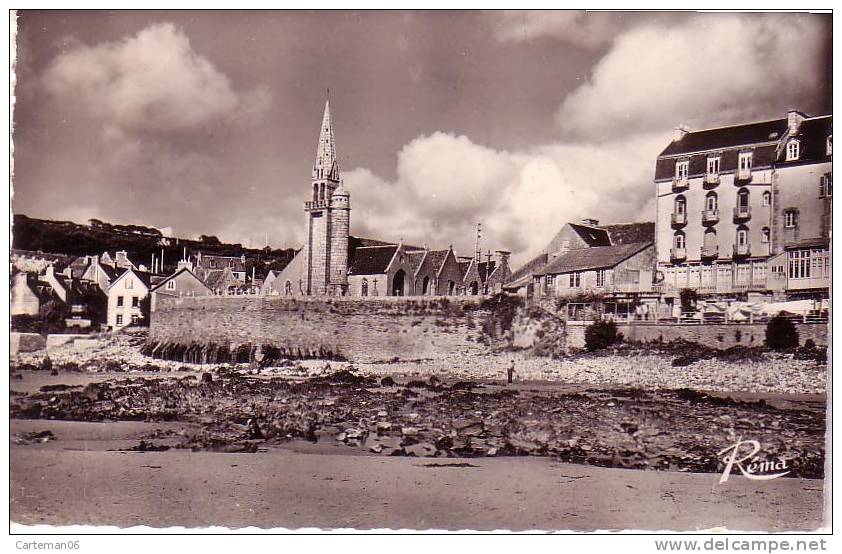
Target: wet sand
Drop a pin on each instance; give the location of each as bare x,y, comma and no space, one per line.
77,480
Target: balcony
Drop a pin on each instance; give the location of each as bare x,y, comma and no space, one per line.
742,176
679,219
742,213
742,250
711,180
315,205
678,254
680,183
709,217
709,252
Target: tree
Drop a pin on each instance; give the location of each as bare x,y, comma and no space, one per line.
601,334
781,334
210,239
688,300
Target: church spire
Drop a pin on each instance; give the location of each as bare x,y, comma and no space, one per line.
326,166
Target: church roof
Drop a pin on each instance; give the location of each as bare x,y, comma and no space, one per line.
326,165
371,260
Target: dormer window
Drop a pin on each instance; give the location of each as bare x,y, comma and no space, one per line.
745,161
793,150
682,169
713,165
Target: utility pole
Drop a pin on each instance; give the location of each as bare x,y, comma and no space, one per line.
478,252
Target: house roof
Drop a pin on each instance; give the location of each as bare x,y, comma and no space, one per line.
628,233
142,276
592,235
162,281
821,242
110,271
371,260
530,267
209,262
215,278
598,257
813,134
727,137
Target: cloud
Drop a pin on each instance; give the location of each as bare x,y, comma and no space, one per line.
446,184
589,30
713,69
151,81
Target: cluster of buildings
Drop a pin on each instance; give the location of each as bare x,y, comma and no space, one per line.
333,262
113,291
743,215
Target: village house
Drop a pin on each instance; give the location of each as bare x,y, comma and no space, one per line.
28,294
125,297
181,283
206,263
743,212
332,262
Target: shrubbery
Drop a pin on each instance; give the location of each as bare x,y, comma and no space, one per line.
601,334
781,334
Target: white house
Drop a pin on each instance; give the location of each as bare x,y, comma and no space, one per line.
125,296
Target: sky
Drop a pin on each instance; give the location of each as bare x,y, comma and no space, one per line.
206,122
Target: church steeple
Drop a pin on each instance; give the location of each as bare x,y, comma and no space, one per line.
327,165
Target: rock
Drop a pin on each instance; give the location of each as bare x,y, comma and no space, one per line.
468,427
383,427
409,431
207,377
387,382
491,452
421,450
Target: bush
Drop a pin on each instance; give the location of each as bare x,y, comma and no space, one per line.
601,334
781,334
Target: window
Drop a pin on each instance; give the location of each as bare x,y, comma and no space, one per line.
742,236
793,148
767,198
711,202
575,280
799,264
764,235
826,186
549,282
135,302
680,204
119,319
790,219
713,166
171,284
742,198
710,239
830,145
600,277
682,168
745,161
129,283
678,241
364,287
135,318
119,301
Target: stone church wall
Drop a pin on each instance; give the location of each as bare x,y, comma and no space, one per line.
354,329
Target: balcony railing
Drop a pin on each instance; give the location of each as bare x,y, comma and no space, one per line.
711,179
710,216
741,250
710,251
742,213
315,204
742,175
679,218
680,183
678,253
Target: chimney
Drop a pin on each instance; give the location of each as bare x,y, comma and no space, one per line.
793,120
121,259
50,271
590,221
183,264
501,257
680,131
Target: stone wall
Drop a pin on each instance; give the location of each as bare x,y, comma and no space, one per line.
355,329
713,335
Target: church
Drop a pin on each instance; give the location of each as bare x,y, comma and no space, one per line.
334,263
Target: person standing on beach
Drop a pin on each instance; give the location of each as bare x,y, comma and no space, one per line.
511,370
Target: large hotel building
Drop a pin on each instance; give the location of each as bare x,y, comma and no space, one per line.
744,212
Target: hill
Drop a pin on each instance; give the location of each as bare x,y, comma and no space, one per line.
66,238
